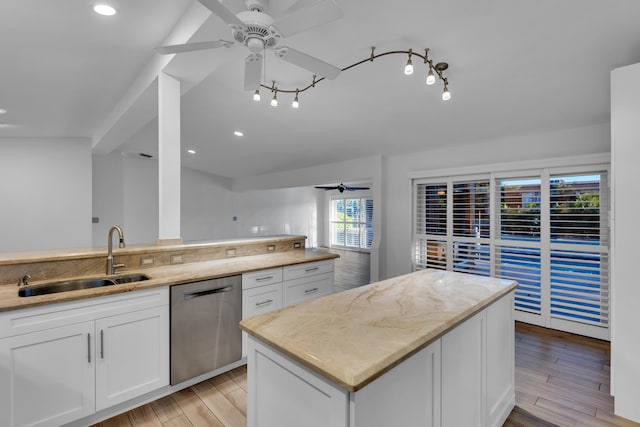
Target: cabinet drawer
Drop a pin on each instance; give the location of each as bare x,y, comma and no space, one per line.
261,278
306,288
307,269
261,300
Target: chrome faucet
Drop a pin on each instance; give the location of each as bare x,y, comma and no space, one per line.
110,266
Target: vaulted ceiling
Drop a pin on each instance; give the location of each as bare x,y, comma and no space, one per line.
516,67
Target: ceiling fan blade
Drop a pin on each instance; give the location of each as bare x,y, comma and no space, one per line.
307,15
222,12
189,47
357,188
322,187
308,62
252,71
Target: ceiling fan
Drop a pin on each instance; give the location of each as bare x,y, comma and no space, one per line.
257,30
340,187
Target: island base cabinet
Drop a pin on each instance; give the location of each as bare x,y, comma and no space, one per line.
465,378
281,393
47,378
408,395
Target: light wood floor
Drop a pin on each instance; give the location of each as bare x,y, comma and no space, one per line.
561,380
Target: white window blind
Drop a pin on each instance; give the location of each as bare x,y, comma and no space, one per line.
579,248
548,231
352,223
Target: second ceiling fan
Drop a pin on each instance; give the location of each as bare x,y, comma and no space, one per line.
258,31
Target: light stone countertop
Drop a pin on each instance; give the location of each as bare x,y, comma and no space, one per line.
353,337
167,275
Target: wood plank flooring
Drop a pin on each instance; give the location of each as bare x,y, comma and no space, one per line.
351,269
561,380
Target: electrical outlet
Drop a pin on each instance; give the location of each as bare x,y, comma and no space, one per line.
297,245
231,252
177,259
148,260
271,248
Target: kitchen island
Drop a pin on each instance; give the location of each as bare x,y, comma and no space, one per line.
430,348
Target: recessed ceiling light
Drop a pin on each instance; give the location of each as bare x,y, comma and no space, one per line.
3,111
191,151
104,9
238,133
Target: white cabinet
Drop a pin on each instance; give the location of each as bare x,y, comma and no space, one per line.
306,288
464,378
408,395
131,355
268,290
304,282
62,362
47,377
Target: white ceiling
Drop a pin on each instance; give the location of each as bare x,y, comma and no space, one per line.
516,66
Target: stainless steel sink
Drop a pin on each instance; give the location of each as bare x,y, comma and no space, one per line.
74,285
130,278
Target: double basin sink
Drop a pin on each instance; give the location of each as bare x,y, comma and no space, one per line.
76,284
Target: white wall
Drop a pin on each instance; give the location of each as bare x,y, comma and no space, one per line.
281,211
126,194
396,246
45,191
625,152
208,207
108,195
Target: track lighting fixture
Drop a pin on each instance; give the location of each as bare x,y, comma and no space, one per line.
295,104
408,69
436,71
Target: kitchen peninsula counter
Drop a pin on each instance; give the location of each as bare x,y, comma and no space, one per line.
355,340
164,276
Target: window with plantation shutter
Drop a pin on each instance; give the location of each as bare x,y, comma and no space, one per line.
517,251
546,229
579,248
352,223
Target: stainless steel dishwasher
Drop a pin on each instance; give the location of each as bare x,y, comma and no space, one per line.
205,334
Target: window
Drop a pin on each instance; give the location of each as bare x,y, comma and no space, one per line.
546,229
352,223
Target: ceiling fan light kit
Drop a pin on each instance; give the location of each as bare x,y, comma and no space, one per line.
258,31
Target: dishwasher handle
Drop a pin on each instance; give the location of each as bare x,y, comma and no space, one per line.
191,295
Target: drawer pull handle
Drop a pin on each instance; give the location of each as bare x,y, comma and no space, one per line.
89,348
260,304
308,270
260,279
310,291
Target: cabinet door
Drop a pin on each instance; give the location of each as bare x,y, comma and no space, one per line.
408,395
47,377
132,355
463,361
